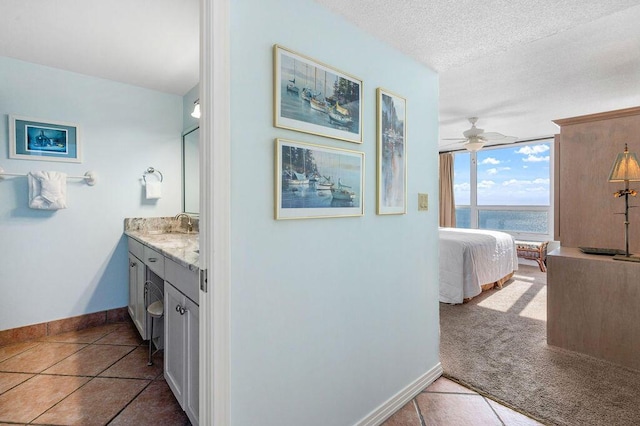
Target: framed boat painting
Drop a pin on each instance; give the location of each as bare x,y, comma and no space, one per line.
317,181
392,158
46,140
315,98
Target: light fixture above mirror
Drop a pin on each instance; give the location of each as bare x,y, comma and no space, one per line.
196,109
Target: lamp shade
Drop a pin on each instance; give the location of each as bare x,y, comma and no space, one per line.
625,168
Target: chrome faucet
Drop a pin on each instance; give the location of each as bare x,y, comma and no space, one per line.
189,225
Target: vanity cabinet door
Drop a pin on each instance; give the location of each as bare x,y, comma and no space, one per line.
191,397
136,294
181,350
133,285
174,342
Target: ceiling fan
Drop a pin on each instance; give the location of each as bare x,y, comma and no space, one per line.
474,138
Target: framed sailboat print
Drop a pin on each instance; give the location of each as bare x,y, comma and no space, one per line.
315,98
46,140
317,181
392,158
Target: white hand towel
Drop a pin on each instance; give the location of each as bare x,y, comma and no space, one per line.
153,190
47,190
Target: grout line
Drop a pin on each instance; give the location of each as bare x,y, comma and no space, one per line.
417,407
37,343
118,344
116,361
89,377
491,397
24,381
130,402
51,365
66,357
62,399
138,394
42,342
494,411
451,392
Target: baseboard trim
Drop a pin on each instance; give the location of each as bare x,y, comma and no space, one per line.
50,328
393,404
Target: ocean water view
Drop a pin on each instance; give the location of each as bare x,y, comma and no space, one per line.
529,221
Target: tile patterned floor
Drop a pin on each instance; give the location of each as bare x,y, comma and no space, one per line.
99,376
96,376
446,403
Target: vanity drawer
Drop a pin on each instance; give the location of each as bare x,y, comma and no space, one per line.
154,261
184,279
136,248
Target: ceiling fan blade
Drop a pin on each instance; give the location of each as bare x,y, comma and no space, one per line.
494,136
458,142
476,138
501,141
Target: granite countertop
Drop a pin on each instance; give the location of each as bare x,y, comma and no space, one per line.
166,236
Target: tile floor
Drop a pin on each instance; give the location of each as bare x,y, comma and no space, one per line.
96,376
446,403
99,376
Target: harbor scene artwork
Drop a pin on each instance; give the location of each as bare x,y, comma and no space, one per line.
314,98
46,139
317,181
392,160
36,139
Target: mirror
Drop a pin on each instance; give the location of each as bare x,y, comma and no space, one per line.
191,172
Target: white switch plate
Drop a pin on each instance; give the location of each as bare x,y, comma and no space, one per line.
423,202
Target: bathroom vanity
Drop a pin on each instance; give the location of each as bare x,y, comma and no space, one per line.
163,252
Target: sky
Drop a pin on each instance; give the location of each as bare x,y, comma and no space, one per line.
517,175
308,74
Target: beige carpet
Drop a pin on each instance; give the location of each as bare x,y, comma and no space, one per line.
496,344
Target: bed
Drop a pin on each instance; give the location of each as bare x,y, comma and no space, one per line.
473,260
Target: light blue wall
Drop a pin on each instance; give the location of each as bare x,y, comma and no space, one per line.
329,317
58,264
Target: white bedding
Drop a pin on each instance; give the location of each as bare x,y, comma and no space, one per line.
470,258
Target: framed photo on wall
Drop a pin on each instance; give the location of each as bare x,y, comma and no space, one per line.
46,140
315,98
317,181
392,158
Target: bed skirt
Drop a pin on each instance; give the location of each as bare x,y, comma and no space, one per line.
496,284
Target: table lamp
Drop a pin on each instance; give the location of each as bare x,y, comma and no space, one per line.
626,169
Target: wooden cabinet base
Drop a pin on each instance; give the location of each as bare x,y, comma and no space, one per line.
593,306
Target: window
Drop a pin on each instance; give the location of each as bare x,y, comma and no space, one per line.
506,189
462,188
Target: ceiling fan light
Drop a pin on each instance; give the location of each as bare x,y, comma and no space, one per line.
474,144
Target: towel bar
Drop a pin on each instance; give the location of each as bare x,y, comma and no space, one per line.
90,177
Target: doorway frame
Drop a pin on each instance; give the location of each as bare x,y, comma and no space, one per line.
215,216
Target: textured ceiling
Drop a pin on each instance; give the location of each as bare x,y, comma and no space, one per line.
516,65
147,43
590,68
445,33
